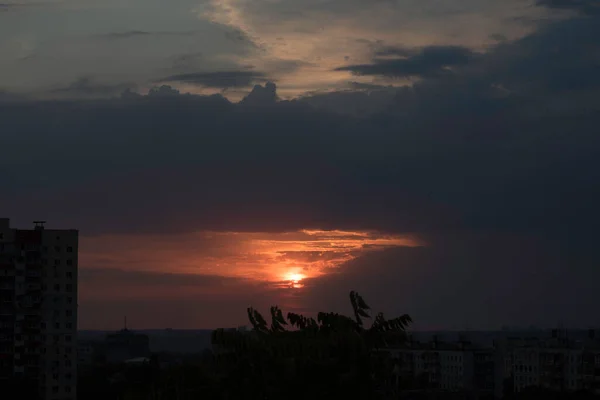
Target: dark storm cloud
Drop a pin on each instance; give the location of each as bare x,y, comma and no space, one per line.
563,58
271,168
219,79
362,100
506,143
430,61
586,7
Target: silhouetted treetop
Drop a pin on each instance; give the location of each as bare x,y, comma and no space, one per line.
330,355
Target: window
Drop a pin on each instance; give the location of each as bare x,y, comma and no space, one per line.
57,248
69,300
57,287
69,273
57,325
68,338
69,249
54,389
68,350
69,262
69,287
67,363
57,262
69,325
68,313
67,389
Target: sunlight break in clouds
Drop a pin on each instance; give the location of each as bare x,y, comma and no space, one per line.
321,36
270,257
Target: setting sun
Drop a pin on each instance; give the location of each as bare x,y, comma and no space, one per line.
294,277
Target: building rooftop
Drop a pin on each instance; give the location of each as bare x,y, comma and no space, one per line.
38,225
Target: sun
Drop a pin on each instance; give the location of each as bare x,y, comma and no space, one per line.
294,277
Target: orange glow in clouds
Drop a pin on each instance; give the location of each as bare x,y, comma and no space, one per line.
285,259
294,280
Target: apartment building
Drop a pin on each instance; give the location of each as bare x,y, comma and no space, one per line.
448,367
510,365
38,309
556,363
85,353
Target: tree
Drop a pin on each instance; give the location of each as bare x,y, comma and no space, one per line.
332,355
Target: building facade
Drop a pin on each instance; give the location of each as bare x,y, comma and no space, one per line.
556,363
38,310
511,365
448,367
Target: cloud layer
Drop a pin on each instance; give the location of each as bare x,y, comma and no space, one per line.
489,156
304,46
222,79
428,62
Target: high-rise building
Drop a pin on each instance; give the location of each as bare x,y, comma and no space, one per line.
38,311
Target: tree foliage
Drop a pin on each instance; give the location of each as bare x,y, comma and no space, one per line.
301,357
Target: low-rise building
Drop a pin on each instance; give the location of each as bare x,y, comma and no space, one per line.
451,367
556,363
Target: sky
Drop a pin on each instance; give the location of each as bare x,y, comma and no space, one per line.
439,157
